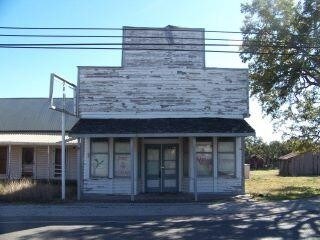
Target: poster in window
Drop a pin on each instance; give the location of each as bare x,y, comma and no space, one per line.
122,165
204,164
99,166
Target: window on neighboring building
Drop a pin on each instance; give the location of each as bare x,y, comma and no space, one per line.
204,155
226,157
99,158
122,158
27,162
3,160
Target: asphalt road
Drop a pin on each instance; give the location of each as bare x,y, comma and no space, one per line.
285,220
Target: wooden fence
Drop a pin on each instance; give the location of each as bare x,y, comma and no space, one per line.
307,164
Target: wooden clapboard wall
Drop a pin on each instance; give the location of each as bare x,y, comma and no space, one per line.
153,84
307,164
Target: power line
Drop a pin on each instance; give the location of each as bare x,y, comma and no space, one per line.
119,29
114,36
158,44
168,28
139,49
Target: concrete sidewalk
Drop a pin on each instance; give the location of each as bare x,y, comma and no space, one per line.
238,205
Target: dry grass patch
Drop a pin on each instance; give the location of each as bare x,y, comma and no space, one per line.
28,190
267,184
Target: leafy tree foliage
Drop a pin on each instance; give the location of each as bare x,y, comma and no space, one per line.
281,44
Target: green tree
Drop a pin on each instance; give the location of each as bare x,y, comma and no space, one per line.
281,44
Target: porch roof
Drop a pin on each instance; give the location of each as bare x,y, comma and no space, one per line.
34,139
162,127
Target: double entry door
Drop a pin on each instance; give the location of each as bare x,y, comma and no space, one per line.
161,161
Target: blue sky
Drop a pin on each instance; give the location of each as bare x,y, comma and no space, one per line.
25,72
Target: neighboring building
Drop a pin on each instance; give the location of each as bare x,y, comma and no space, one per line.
256,162
30,140
163,121
295,164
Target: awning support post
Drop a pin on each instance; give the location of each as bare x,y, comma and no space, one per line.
195,167
132,167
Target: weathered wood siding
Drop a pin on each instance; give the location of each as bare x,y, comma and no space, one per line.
165,38
42,169
41,166
307,164
154,84
72,163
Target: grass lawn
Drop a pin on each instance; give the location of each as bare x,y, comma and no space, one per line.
267,184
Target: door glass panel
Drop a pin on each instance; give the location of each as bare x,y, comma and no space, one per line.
170,154
169,171
170,164
161,168
153,154
153,168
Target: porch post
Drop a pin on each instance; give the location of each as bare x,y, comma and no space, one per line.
132,167
215,164
136,165
78,169
9,162
34,167
243,147
48,160
111,147
195,167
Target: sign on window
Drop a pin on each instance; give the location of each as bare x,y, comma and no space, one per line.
122,165
99,165
204,164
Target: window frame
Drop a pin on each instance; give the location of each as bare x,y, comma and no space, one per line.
205,140
92,140
115,141
227,139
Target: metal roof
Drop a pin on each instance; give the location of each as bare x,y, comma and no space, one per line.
31,115
163,126
289,156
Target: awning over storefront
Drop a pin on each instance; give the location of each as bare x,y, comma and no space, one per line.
158,127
